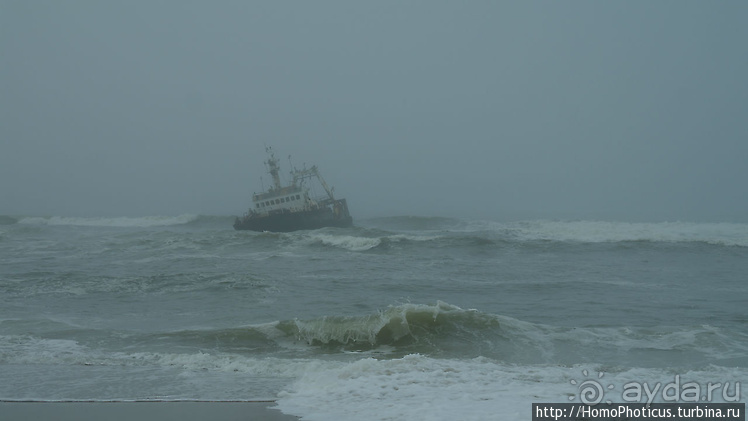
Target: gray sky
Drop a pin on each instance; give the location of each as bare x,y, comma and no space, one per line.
498,110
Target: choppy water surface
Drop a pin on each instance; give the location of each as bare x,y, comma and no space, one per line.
437,317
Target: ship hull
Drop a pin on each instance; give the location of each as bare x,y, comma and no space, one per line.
293,221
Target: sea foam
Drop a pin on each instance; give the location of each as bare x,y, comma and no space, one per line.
421,387
729,234
347,242
717,233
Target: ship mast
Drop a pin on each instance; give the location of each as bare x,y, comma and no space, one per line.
273,167
322,181
300,175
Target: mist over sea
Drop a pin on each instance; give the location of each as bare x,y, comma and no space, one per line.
407,317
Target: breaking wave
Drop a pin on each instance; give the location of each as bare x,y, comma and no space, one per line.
439,330
487,232
727,234
405,335
445,330
442,330
347,242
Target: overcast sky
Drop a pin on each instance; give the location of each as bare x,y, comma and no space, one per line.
483,109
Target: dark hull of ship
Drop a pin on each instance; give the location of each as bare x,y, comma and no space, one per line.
293,221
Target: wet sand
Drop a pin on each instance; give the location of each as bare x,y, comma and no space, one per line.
126,411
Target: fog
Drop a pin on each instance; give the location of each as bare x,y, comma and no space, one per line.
495,110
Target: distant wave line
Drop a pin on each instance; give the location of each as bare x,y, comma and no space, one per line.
124,221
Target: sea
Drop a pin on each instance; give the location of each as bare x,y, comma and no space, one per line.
396,318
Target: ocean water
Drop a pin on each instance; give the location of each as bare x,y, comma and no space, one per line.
395,318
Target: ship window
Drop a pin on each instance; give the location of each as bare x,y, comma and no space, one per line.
277,201
258,205
298,197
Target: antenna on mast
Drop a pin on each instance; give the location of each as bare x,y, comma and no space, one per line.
293,171
273,168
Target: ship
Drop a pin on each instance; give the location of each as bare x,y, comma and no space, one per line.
292,207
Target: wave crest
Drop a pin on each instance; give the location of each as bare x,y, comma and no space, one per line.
487,232
397,325
347,242
443,329
722,233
